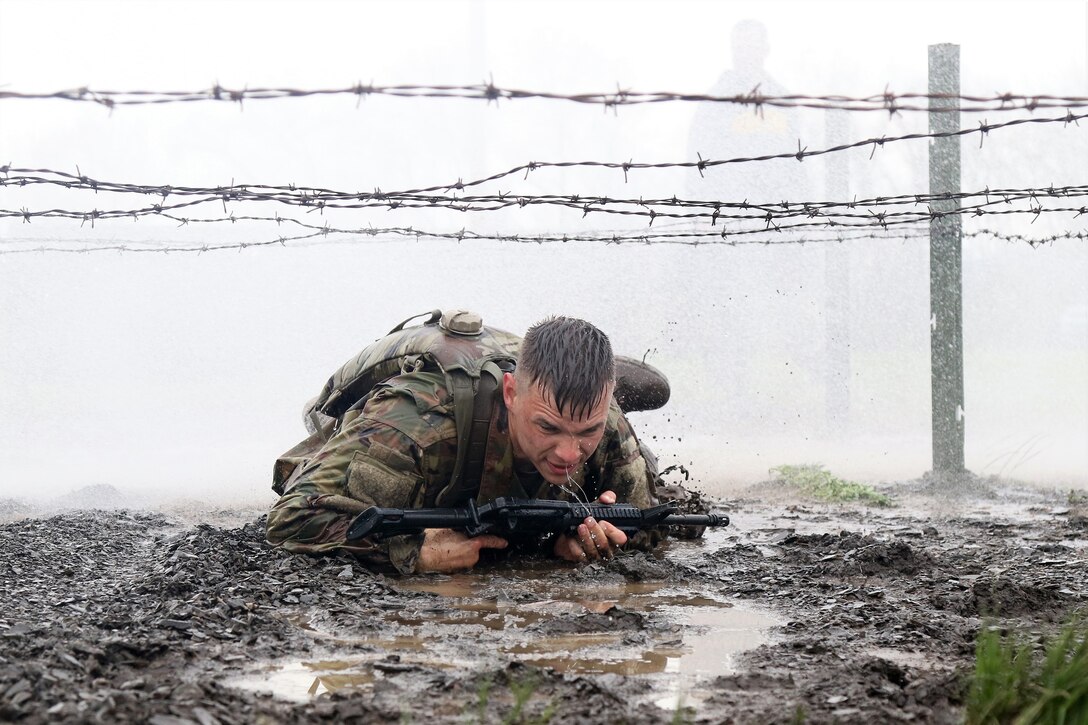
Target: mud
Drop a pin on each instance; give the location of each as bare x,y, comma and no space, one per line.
828,613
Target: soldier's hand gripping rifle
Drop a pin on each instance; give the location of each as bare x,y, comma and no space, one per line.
522,518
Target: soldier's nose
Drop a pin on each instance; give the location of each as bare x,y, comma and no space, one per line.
569,451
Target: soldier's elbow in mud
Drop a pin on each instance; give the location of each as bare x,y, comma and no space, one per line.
294,524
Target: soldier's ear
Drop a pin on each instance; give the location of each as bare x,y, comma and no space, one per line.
509,389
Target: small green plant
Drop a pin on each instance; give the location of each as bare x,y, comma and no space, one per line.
1013,685
1077,498
483,691
799,716
816,481
522,690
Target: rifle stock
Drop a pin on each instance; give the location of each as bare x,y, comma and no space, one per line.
521,517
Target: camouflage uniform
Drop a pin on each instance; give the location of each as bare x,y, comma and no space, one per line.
400,453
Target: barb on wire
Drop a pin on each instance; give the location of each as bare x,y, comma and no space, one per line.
886,101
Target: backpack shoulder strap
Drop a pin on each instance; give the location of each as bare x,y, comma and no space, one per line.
472,415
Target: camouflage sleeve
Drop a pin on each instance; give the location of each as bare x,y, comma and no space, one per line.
369,463
627,472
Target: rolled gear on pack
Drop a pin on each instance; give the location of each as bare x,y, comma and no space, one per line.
472,357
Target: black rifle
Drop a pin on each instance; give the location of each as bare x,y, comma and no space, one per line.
522,517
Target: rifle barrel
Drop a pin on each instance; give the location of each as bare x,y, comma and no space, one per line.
696,520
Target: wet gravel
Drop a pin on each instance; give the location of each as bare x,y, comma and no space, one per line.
119,615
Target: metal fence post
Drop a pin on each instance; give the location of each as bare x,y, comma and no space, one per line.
945,265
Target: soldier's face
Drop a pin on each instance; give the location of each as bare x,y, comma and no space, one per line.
556,444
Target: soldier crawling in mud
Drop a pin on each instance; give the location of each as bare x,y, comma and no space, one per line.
555,431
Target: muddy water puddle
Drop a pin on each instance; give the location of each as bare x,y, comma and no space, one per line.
674,636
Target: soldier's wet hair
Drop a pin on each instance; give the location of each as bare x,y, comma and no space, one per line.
569,358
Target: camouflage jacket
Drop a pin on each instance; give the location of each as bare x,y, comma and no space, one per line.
400,453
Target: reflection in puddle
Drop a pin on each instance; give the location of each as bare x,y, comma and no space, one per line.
648,663
302,680
674,636
717,636
561,643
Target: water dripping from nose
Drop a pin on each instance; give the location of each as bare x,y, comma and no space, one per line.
584,498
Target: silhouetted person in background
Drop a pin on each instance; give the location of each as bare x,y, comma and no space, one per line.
726,130
765,321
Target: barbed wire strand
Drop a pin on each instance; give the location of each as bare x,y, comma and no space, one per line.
770,214
887,101
580,201
80,180
679,238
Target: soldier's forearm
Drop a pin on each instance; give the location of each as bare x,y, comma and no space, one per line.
317,524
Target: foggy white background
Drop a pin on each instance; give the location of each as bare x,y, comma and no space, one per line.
183,376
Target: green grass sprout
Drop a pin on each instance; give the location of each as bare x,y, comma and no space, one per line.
816,481
1014,685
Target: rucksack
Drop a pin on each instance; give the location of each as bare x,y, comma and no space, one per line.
471,357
